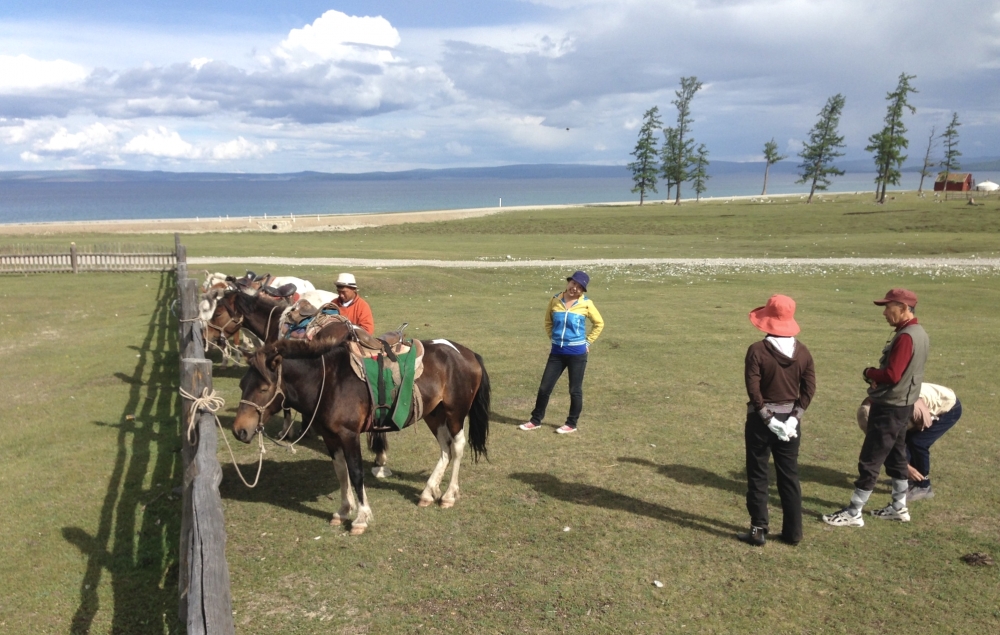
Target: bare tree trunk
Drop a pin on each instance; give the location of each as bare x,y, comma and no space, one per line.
767,168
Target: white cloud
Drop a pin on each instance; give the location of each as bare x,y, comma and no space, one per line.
240,148
20,72
198,62
30,157
96,137
457,149
160,142
336,36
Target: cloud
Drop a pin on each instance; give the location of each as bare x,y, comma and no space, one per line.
20,72
160,142
240,148
338,37
97,137
457,149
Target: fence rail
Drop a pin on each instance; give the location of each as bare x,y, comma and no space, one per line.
205,601
75,262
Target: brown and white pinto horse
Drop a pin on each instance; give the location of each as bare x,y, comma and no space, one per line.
317,377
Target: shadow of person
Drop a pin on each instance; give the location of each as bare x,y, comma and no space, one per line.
499,418
736,481
584,494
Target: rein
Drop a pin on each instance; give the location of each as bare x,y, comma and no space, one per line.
211,402
291,446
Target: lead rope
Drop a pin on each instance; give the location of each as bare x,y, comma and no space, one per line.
212,402
291,446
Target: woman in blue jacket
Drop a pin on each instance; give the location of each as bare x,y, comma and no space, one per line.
566,323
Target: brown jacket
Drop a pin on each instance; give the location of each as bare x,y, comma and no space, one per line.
772,378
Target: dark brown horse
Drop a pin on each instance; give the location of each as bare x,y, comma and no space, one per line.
316,377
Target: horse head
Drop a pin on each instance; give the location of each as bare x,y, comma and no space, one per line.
262,395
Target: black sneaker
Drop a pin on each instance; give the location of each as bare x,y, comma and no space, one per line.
755,537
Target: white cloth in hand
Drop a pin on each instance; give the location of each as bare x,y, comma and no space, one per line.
791,427
777,428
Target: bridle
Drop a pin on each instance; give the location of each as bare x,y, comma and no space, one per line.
278,390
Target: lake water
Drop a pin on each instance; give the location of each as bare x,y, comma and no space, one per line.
27,201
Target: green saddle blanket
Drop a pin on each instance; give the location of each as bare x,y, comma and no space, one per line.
393,400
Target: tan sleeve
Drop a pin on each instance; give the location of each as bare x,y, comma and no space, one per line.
921,416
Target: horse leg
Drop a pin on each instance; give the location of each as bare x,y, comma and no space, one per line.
432,491
346,495
289,419
352,454
378,444
457,450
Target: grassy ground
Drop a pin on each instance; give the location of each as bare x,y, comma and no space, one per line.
651,488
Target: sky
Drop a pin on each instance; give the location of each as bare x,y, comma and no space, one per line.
360,86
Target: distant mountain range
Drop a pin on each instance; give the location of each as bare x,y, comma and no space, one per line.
526,171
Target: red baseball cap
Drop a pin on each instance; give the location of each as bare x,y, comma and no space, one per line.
903,296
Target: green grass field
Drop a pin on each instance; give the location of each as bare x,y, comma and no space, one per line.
651,488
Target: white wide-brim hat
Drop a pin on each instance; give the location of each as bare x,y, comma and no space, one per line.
347,280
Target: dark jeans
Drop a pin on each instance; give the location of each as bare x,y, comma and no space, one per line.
918,444
885,444
761,444
577,365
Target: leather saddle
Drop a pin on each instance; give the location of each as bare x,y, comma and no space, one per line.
284,292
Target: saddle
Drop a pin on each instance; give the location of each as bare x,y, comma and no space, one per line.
390,371
302,320
284,292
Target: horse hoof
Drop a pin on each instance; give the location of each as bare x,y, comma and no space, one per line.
423,502
381,472
336,521
447,504
357,531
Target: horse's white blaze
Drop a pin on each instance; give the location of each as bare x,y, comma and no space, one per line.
457,451
347,503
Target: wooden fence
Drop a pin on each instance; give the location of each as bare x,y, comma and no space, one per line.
205,600
74,262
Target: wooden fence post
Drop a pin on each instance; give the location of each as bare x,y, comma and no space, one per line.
192,339
72,258
196,374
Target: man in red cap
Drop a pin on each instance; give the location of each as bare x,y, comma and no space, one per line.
893,389
781,381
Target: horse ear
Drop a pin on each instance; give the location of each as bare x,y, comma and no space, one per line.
274,362
259,363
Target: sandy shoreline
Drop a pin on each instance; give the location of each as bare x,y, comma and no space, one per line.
295,223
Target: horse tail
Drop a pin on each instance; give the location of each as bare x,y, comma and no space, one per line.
378,442
479,414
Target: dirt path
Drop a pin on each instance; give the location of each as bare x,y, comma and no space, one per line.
747,264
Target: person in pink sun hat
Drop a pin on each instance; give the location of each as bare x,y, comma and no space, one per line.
781,382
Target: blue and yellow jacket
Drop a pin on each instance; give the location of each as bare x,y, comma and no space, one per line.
567,328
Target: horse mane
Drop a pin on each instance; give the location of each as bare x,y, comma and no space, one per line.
299,349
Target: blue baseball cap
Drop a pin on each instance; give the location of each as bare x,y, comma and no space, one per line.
580,278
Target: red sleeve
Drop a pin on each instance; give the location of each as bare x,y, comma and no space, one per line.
899,359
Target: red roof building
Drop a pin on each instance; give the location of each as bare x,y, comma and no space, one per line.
956,182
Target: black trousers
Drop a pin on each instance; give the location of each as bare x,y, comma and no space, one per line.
761,445
885,444
577,366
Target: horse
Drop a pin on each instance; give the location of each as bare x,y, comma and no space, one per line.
251,282
226,311
316,377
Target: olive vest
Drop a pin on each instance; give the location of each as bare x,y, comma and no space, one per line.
907,390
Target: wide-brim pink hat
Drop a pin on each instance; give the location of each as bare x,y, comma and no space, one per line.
777,317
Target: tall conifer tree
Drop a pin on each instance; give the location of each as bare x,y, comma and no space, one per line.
823,147
888,143
950,142
683,155
771,157
646,165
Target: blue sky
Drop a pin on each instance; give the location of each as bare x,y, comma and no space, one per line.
260,86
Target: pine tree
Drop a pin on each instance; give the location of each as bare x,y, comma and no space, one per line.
682,158
824,142
668,153
888,143
951,153
771,156
925,169
645,167
700,175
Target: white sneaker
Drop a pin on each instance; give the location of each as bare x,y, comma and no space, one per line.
529,426
891,513
844,518
565,430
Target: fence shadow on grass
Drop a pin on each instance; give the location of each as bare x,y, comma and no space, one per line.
736,481
585,494
136,539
